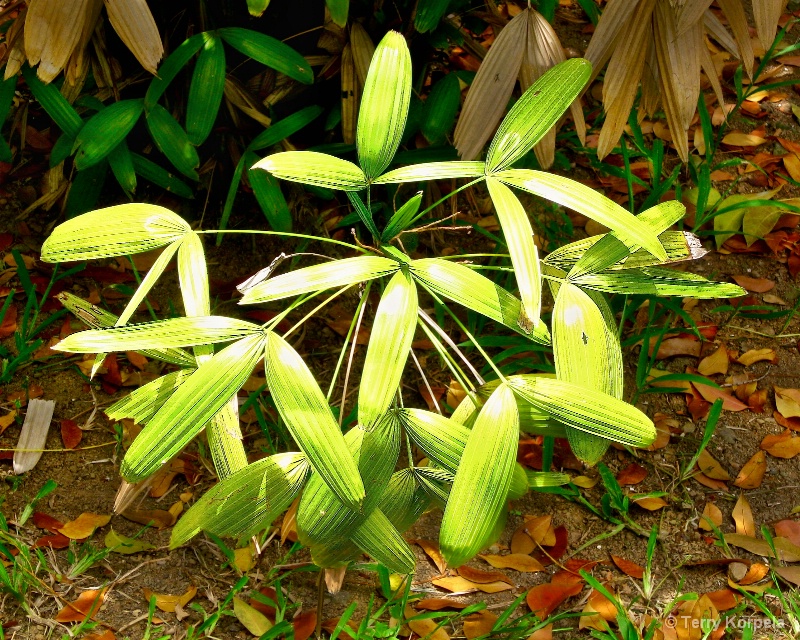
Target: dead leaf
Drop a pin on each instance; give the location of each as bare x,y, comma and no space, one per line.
672,347
711,515
71,434
787,552
544,598
711,394
756,285
458,584
598,611
757,355
9,323
717,362
482,577
7,420
87,604
709,466
556,550
724,599
455,394
540,529
651,504
632,474
46,522
521,542
752,473
431,550
790,574
585,482
516,561
437,604
304,625
789,529
717,485
628,568
743,517
738,139
479,624
787,402
545,633
782,445
107,634
167,603
153,517
425,628
252,619
755,573
84,525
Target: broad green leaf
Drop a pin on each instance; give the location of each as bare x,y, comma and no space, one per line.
98,318
466,287
586,409
384,105
441,108
104,131
339,10
174,332
538,479
759,221
730,220
206,90
192,276
387,352
171,66
269,196
55,104
535,113
364,214
62,149
519,483
402,218
322,519
658,281
594,205
484,476
329,275
436,483
268,51
586,352
224,437
141,404
679,245
314,168
172,141
518,234
114,231
428,14
160,177
285,127
610,249
84,192
334,555
247,501
442,439
121,162
303,408
433,171
378,538
403,501
195,402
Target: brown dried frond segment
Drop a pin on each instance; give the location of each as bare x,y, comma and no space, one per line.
766,14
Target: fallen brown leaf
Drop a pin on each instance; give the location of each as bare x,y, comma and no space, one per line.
87,605
425,628
516,561
304,625
724,599
711,515
756,285
544,598
752,474
431,550
71,434
167,603
483,577
782,445
479,624
743,517
632,474
789,529
710,467
757,355
651,504
437,604
84,525
717,362
787,402
787,552
755,573
739,139
154,517
628,568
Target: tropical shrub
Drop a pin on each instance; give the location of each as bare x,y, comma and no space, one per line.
353,496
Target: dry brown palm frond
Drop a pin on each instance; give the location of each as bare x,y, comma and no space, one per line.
53,29
137,28
665,54
525,48
350,94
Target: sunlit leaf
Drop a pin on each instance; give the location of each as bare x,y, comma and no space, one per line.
317,169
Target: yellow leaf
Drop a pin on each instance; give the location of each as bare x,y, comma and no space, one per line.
743,517
252,619
167,603
84,525
739,139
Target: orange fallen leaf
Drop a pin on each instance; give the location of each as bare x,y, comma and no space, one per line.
755,573
752,474
711,394
787,423
431,550
738,139
84,525
46,522
158,518
7,420
108,634
137,360
717,362
167,603
717,485
756,285
516,561
663,424
483,577
479,624
55,541
672,347
709,466
789,529
556,550
545,633
757,400
632,474
787,402
757,355
651,504
9,324
87,604
521,542
458,584
455,393
743,517
598,611
711,516
425,627
724,599
628,568
304,625
540,529
544,598
782,445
